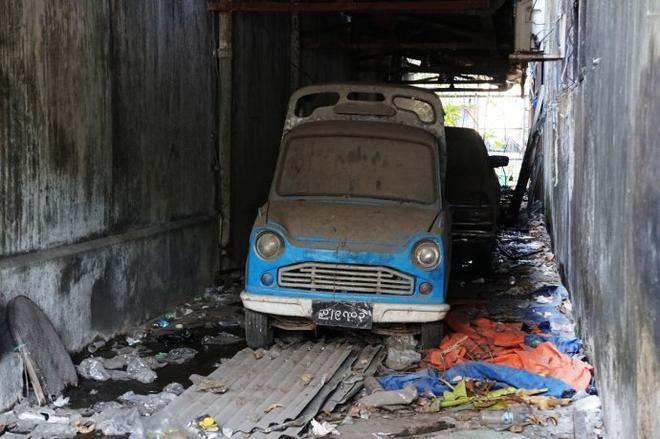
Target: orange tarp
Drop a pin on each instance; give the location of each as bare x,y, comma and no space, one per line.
504,343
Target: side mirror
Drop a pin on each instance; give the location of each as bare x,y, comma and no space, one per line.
498,161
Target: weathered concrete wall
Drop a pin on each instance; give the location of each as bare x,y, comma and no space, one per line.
262,85
107,120
602,157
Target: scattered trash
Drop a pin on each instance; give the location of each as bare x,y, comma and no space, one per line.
61,401
208,384
259,354
138,369
390,397
162,323
503,343
591,402
323,429
132,341
371,384
512,416
95,346
221,339
459,396
180,355
401,353
428,381
174,388
307,378
84,427
545,402
528,372
148,404
181,336
93,369
272,407
43,416
207,423
119,421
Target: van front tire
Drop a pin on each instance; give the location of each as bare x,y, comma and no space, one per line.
258,331
432,333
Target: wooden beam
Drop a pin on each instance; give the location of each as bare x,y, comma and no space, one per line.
347,6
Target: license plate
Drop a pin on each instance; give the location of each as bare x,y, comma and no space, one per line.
345,314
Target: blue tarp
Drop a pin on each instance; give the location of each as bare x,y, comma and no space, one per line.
569,346
427,381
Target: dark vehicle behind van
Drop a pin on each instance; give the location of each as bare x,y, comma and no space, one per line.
473,193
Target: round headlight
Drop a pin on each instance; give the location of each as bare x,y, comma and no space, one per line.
269,245
426,255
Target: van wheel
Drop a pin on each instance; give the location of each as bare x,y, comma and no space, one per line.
432,333
258,331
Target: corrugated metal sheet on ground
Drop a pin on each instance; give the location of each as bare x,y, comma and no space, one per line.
257,384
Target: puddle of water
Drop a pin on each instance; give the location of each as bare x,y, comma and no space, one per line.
205,362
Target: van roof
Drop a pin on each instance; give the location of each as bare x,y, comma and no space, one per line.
397,104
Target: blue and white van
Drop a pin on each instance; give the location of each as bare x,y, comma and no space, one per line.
356,231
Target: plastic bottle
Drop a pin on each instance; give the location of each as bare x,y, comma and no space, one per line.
511,416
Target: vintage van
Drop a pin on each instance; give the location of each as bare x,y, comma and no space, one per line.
356,231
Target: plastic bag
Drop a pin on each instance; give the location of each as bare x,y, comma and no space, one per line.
174,388
180,355
139,370
119,421
401,352
93,369
147,404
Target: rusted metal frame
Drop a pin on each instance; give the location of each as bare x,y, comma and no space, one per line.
487,37
431,81
500,87
444,70
348,6
395,46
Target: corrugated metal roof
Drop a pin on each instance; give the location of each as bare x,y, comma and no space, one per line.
256,384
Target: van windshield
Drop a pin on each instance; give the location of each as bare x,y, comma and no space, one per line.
360,167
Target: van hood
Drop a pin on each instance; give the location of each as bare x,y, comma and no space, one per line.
357,227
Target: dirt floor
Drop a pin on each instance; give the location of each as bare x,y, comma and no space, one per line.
137,370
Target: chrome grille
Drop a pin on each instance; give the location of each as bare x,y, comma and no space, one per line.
314,276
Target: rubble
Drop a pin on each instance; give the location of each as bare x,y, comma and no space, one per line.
390,397
348,385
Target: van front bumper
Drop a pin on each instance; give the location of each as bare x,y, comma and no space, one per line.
382,312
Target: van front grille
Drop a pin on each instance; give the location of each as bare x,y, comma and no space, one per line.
324,277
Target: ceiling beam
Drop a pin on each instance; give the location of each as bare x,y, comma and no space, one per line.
393,46
347,6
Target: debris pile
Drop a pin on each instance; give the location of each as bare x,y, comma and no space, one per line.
510,360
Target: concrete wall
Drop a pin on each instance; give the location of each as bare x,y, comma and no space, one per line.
602,156
107,150
262,85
